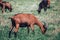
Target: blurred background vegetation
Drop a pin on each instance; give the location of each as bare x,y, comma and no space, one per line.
51,16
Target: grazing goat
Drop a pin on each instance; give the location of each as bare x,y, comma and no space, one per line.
25,20
5,5
44,4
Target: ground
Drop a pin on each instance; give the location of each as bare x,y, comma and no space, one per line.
51,16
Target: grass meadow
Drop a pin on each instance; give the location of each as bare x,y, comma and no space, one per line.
51,16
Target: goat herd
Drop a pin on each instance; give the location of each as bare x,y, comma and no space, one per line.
25,20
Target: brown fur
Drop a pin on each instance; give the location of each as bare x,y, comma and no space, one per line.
5,5
0,0
28,20
48,3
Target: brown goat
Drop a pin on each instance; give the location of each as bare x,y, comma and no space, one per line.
25,20
5,5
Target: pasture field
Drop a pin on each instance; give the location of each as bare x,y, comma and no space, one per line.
51,16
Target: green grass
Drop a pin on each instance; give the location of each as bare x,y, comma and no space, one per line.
51,16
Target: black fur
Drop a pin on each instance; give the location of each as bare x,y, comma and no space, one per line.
43,4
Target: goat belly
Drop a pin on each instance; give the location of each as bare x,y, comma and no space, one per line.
24,25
